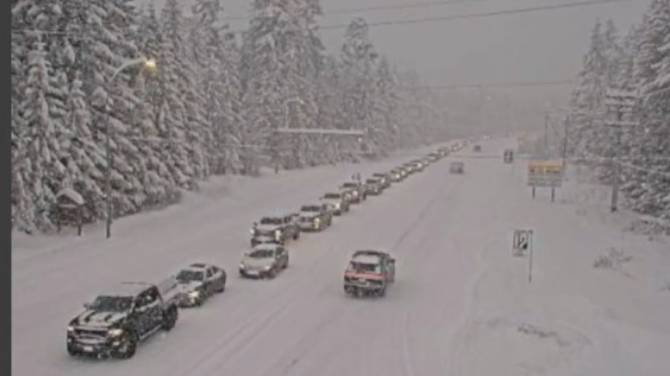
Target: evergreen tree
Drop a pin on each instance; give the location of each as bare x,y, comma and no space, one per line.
359,58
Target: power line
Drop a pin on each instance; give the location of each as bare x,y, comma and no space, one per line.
478,15
493,85
405,22
381,8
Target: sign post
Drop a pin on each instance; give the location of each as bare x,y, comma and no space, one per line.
545,174
522,242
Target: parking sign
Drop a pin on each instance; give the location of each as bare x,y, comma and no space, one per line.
521,241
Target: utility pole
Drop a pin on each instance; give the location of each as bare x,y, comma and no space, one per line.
619,103
546,135
565,141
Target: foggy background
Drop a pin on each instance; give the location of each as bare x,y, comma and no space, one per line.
536,46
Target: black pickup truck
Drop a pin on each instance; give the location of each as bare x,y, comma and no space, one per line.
116,322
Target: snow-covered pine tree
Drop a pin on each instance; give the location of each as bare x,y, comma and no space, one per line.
358,57
36,128
589,136
264,81
653,76
227,133
385,106
174,115
302,52
207,44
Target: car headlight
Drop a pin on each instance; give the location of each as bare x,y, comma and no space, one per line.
242,266
115,332
267,268
317,220
70,329
337,206
194,294
252,231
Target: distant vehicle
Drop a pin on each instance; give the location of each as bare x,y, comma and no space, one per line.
264,261
410,167
457,167
314,217
117,321
358,190
433,157
369,272
280,227
508,156
418,165
396,175
443,151
338,200
197,283
477,148
384,178
374,186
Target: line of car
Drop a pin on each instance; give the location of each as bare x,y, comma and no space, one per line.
117,321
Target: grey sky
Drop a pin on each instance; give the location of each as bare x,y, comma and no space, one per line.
546,45
534,46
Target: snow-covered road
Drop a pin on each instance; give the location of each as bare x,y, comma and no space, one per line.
449,233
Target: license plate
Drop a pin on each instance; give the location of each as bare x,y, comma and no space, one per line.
252,272
88,348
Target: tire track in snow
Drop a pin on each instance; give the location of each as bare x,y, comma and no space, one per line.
407,356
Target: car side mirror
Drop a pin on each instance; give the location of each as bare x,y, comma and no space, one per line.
87,305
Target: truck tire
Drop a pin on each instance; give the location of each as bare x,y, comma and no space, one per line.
71,351
170,318
127,350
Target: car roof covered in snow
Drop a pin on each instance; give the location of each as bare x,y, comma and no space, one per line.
126,289
366,259
266,246
277,214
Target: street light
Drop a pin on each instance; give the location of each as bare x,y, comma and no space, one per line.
150,65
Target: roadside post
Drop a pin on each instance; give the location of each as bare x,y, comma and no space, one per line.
522,242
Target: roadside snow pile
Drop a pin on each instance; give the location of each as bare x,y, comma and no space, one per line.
651,226
615,259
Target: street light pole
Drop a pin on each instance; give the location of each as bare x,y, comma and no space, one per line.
151,65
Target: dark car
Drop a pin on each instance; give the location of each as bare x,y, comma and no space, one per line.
396,175
264,261
197,283
116,322
384,178
373,186
338,200
457,167
508,156
280,227
369,272
356,189
315,217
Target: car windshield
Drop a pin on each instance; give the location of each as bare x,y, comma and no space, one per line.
189,275
360,267
350,185
112,303
261,253
271,221
311,208
372,181
332,195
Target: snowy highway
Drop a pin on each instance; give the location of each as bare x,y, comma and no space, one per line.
440,227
